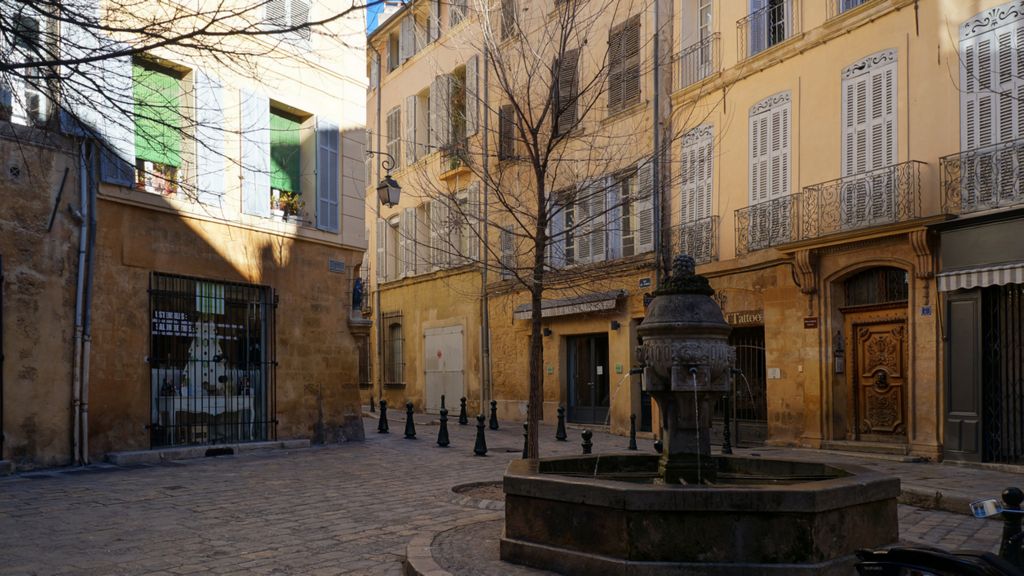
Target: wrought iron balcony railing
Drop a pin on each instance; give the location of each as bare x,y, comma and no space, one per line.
776,22
699,239
698,61
837,7
767,224
453,156
983,178
883,196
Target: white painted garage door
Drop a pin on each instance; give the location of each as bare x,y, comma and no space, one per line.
443,362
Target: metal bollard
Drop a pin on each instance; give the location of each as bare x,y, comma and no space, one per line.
382,424
494,415
480,449
410,426
526,440
632,431
726,431
588,446
658,446
442,433
1010,546
560,431
463,418
442,401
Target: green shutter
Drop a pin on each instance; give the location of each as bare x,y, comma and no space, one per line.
284,153
157,116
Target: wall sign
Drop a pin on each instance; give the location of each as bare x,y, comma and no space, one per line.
811,322
336,266
645,282
745,318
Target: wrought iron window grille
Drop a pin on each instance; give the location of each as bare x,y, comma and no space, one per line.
699,61
765,27
699,239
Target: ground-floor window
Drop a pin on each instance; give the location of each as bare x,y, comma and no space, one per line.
211,361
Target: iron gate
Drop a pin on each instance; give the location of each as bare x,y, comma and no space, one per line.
211,362
749,398
1003,373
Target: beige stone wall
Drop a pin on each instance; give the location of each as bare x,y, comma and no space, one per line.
39,274
316,353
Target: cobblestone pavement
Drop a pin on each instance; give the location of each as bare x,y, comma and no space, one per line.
341,509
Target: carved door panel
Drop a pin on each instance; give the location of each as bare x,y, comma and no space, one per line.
879,377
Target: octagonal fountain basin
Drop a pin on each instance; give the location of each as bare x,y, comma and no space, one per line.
608,514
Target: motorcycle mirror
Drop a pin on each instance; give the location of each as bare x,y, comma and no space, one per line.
986,508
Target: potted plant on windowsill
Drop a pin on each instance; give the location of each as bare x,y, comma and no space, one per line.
291,203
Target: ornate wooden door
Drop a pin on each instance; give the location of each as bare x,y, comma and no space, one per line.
879,374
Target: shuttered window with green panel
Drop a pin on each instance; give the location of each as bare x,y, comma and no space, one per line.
284,152
157,115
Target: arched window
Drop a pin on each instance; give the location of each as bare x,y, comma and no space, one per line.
882,285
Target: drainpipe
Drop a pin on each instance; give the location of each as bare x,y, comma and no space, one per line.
659,249
87,328
378,317
76,370
485,336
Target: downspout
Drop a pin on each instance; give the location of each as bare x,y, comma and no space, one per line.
659,248
485,336
76,370
377,314
87,330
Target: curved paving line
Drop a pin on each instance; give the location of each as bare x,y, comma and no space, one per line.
419,553
471,502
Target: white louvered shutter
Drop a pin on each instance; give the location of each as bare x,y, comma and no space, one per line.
435,112
582,226
556,237
617,205
328,158
382,250
439,233
255,137
299,16
705,176
374,71
209,140
598,213
869,140
406,38
688,180
410,130
434,26
407,241
472,97
644,206
474,214
447,89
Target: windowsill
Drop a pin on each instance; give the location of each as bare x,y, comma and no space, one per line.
625,112
394,385
770,51
696,86
455,173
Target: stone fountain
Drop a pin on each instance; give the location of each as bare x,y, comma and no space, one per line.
688,511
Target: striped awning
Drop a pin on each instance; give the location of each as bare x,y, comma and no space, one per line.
981,277
596,302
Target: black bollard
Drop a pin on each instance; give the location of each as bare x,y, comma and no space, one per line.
726,432
632,431
1010,547
410,426
588,446
480,449
442,433
463,418
560,431
442,401
526,440
494,414
658,446
382,424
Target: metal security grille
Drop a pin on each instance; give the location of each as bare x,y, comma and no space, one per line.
749,397
212,362
1003,373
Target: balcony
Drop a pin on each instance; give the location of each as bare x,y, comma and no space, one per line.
983,178
773,24
698,61
699,239
884,196
453,158
767,224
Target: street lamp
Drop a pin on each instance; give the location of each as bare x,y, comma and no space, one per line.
388,190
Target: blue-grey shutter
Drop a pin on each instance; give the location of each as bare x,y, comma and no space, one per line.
757,28
209,140
327,183
255,132
556,236
475,229
117,157
644,206
382,250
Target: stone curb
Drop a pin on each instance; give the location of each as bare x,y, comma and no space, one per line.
188,452
419,556
931,499
471,502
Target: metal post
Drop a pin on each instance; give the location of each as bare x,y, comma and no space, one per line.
1009,548
410,426
494,415
726,432
588,446
442,433
480,448
632,432
560,431
382,424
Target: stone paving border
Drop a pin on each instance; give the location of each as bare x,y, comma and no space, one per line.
457,498
188,452
419,554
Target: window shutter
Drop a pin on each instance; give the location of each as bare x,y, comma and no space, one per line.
438,233
556,236
435,112
598,214
759,155
374,71
382,250
276,13
209,141
407,241
644,206
300,17
472,98
423,238
328,158
508,18
117,158
567,84
631,62
758,28
255,128
475,213
410,130
434,25
617,203
406,39
447,90
705,177
456,12
508,254
869,136
506,132
615,46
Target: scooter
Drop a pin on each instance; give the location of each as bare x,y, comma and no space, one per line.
923,561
